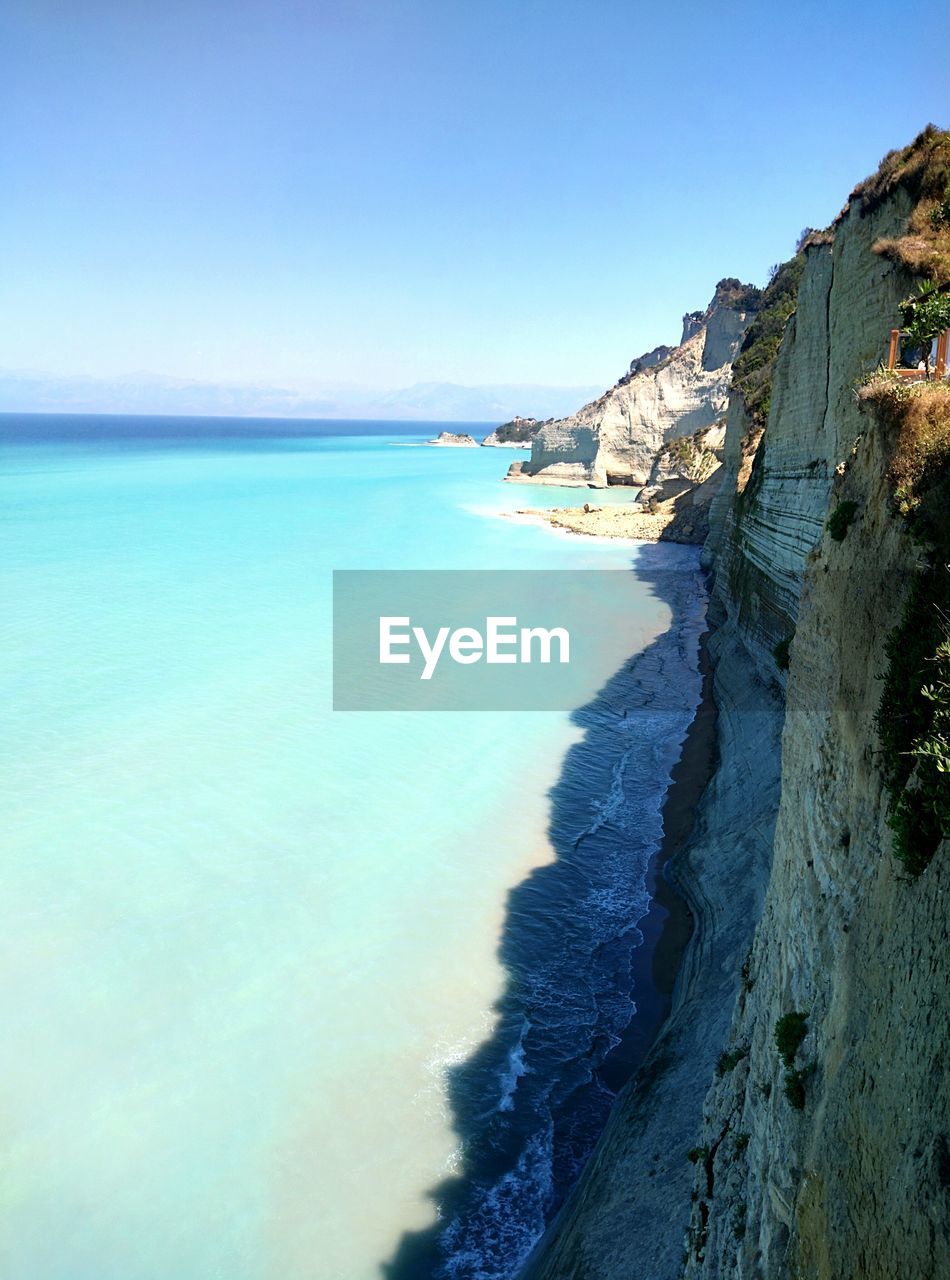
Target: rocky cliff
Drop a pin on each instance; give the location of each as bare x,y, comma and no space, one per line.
792,1118
667,394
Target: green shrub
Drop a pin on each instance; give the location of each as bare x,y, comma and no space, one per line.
839,522
913,722
939,215
790,1031
781,653
923,169
729,1061
694,462
926,316
794,1090
696,1154
755,364
742,1141
748,982
794,1086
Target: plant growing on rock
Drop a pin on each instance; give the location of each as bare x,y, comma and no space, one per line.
781,653
730,1060
794,1086
693,462
755,364
923,168
913,717
790,1031
839,522
913,722
916,418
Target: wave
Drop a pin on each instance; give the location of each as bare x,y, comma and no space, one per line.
516,1068
531,1102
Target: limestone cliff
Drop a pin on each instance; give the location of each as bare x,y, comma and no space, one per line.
667,394
791,1121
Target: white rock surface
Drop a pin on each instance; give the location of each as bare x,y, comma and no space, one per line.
615,440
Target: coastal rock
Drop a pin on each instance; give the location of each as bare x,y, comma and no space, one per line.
616,439
454,440
516,434
722,1173
650,359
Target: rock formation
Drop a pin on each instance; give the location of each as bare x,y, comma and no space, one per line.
616,439
454,440
516,434
791,1120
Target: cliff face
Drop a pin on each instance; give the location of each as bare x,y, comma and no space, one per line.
721,1159
831,1165
615,440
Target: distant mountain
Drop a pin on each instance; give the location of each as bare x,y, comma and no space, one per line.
28,392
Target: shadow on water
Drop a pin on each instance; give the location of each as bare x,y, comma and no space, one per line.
530,1102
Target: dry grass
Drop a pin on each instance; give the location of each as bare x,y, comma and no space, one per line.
924,169
917,417
925,250
815,239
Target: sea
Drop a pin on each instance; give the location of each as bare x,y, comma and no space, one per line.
289,993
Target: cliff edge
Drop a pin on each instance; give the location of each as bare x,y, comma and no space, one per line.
791,1117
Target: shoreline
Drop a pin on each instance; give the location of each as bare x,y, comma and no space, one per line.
669,924
623,522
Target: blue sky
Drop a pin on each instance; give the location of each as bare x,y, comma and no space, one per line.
383,193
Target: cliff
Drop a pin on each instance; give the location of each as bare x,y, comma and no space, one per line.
791,1118
667,394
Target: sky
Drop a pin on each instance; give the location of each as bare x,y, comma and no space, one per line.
384,192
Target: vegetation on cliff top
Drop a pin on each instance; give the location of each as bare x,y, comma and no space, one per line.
733,293
923,168
754,366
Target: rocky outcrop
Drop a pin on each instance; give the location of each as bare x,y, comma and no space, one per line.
454,440
724,1158
650,359
516,434
616,439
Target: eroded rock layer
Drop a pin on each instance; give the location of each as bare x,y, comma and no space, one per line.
791,1121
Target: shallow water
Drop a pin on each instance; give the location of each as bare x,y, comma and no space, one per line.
245,939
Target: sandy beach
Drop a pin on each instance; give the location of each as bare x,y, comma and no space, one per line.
627,520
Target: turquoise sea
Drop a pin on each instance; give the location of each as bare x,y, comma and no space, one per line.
271,975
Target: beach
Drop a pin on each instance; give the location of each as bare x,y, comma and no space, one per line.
669,523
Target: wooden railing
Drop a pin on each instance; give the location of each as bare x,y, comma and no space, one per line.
940,359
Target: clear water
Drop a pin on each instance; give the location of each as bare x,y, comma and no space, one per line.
245,941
